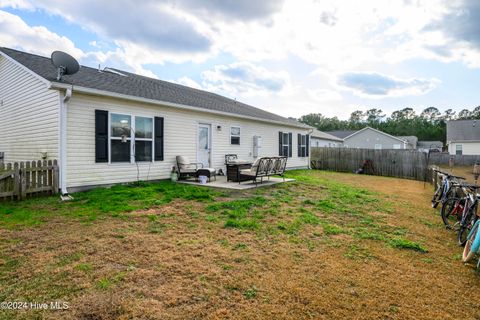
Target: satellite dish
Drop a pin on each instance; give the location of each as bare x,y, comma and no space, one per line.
65,64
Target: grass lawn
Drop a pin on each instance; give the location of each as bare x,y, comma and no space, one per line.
327,246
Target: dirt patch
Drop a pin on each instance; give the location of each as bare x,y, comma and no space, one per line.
173,262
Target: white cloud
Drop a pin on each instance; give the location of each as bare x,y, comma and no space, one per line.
375,85
17,34
246,79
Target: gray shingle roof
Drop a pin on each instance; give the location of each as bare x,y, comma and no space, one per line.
463,130
144,87
342,134
323,135
428,144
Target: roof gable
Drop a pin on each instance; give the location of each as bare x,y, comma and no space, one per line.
463,130
341,133
376,131
323,135
143,87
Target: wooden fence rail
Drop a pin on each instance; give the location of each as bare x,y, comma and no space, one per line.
22,179
410,164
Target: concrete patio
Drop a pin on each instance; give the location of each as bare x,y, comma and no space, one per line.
222,182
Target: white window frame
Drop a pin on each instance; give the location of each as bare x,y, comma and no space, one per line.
235,135
378,146
457,149
143,139
132,138
286,134
303,145
110,137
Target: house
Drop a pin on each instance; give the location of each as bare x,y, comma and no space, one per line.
426,146
323,139
412,141
109,126
463,137
370,138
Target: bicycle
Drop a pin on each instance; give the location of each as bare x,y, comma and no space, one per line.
469,214
445,189
472,245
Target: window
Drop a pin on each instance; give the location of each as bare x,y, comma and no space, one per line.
143,138
378,146
285,144
120,137
122,133
235,135
458,149
302,145
397,146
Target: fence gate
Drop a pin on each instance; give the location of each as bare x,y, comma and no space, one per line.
22,179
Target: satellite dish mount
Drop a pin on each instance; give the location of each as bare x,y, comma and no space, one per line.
65,64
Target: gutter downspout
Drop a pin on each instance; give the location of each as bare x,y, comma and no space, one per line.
63,140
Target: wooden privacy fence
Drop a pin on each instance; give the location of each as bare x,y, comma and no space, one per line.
409,164
22,179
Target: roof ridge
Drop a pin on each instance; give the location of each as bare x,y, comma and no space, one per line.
141,86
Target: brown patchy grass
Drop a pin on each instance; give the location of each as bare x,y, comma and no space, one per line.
179,261
463,171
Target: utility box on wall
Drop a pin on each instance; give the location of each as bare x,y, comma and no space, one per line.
257,145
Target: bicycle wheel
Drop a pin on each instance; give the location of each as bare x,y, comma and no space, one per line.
472,244
437,197
451,212
465,229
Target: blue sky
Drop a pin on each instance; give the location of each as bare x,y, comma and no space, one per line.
288,57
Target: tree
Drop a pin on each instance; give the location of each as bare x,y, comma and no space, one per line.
448,115
357,117
430,114
476,113
405,113
374,116
464,114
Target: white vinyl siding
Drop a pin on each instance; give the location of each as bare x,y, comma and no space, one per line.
468,148
29,115
317,142
180,138
372,139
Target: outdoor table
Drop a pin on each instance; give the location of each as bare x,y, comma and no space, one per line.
234,167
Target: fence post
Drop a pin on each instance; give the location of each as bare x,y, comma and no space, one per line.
16,180
55,181
23,182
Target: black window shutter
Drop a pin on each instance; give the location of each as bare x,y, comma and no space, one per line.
290,144
299,144
158,139
101,136
280,143
307,139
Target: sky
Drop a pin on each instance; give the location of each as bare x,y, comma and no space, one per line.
290,57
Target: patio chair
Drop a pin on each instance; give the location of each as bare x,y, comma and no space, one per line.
260,168
279,166
186,168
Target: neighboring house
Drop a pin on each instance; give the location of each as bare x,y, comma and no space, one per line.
412,141
101,124
323,139
463,137
370,138
425,146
